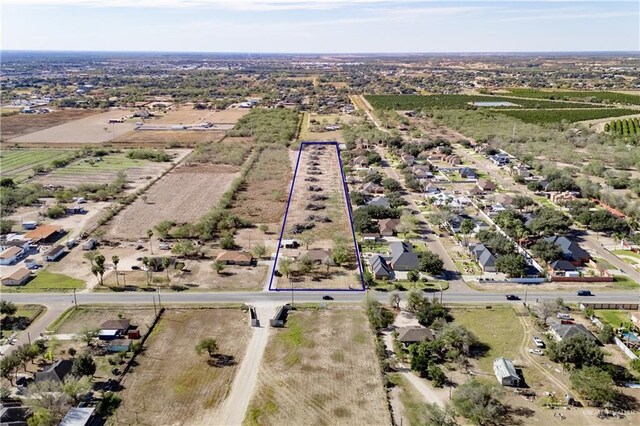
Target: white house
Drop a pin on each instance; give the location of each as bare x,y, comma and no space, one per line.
11,255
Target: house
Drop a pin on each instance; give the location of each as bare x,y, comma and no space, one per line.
522,171
485,258
408,159
28,226
431,188
422,172
505,372
453,159
360,161
19,277
44,234
14,240
78,416
90,244
380,202
403,258
379,267
55,253
468,173
320,256
56,372
567,331
388,227
371,188
235,258
410,335
562,267
485,185
11,255
563,197
500,159
120,326
570,250
75,209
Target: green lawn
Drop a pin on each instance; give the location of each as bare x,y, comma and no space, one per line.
614,317
498,328
109,163
627,253
625,283
19,163
47,281
412,401
406,285
26,314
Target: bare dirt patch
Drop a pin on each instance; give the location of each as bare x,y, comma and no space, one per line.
22,124
165,138
173,385
183,195
85,316
320,369
93,129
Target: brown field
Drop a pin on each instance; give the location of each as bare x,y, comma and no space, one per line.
173,385
184,195
264,197
165,138
87,316
320,370
22,124
330,186
93,129
187,115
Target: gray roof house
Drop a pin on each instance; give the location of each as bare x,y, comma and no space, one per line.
380,202
409,335
570,249
403,258
468,173
505,372
379,267
485,258
55,372
567,331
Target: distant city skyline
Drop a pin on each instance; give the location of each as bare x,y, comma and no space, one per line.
321,26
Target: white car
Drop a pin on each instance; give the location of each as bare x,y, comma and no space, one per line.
538,341
536,351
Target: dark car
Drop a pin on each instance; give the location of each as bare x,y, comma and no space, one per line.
327,297
135,268
512,297
584,293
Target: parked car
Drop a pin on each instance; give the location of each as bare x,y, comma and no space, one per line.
512,297
538,341
584,293
135,268
564,316
536,351
327,297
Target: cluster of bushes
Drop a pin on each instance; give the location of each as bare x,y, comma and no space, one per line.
13,196
597,220
223,152
364,218
149,154
268,126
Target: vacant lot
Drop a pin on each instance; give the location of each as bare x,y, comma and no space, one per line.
187,115
165,138
313,126
87,316
233,151
22,124
183,195
138,172
19,163
322,370
264,195
172,384
93,129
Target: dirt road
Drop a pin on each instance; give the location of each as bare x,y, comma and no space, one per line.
235,405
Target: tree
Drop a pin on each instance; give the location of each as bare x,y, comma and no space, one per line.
72,352
307,240
208,345
217,266
259,251
305,265
436,375
413,277
466,227
166,262
88,334
521,202
48,396
98,268
184,249
116,260
42,417
263,228
457,339
77,388
285,266
340,253
7,308
394,300
416,301
164,227
606,335
9,365
391,186
594,384
478,402
549,221
576,351
434,415
547,251
149,235
5,226
431,263
83,365
27,353
357,198
512,264
227,242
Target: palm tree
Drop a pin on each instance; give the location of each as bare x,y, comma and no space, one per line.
466,227
150,234
145,262
116,260
165,264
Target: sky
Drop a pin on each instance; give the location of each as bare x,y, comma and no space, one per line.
321,26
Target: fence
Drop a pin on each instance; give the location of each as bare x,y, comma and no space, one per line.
582,279
624,306
628,352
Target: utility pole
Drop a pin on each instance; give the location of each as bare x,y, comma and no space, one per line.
291,292
155,312
159,301
525,295
75,300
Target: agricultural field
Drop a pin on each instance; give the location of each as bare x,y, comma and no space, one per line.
590,96
23,124
185,114
320,369
171,383
570,115
165,138
182,196
93,129
263,197
624,127
411,102
318,218
19,163
105,171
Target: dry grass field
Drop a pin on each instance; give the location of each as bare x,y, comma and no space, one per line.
320,370
165,138
22,124
264,195
172,385
87,316
93,129
318,201
183,195
185,114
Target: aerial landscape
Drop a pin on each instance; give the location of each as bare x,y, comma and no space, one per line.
201,224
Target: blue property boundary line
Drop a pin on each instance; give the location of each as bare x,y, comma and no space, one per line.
284,222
